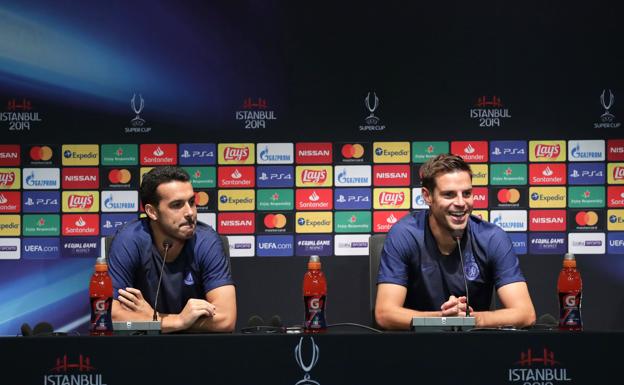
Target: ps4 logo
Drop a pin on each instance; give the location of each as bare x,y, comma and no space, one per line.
508,151
196,154
40,201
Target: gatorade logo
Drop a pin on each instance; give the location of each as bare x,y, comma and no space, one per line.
315,303
100,305
570,300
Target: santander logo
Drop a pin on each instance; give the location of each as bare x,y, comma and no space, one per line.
547,171
391,219
314,197
158,151
3,199
469,149
391,199
234,153
314,176
547,151
236,174
80,222
80,201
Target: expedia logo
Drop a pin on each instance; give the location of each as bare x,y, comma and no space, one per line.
319,222
75,155
616,220
391,152
67,154
236,200
547,197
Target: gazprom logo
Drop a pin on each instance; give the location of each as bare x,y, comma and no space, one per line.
275,153
353,176
510,220
114,201
586,150
41,178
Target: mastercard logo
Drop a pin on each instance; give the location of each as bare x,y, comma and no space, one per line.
586,218
274,221
510,195
119,176
202,198
354,151
40,153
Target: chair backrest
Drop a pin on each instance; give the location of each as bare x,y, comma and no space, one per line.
375,246
226,245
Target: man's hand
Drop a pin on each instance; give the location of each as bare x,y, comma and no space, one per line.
454,307
194,309
132,300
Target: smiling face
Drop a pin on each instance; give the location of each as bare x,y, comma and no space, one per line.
451,201
176,214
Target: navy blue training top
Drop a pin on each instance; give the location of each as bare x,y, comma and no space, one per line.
134,261
411,258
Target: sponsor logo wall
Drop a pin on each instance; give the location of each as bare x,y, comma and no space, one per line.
299,199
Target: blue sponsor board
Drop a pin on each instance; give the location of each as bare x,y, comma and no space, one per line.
80,247
519,242
586,173
306,245
109,223
352,199
615,243
508,151
197,154
41,201
274,245
41,248
548,243
275,176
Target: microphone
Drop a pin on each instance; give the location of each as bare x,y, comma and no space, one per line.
167,243
457,235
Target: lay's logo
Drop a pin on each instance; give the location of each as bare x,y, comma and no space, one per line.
615,173
314,176
233,153
7,179
80,201
547,151
392,199
236,153
618,173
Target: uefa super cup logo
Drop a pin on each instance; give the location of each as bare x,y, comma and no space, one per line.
371,119
137,121
306,380
607,116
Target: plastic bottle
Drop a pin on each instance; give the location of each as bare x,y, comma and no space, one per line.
314,297
101,294
570,288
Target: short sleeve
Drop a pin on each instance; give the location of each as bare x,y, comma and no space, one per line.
506,267
394,265
214,264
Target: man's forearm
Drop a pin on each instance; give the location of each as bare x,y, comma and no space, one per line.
504,317
400,318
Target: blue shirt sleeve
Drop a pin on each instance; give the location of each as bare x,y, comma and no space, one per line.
215,265
395,255
122,264
506,268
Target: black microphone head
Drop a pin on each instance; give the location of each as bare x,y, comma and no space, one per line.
276,321
457,233
167,243
42,328
254,321
26,330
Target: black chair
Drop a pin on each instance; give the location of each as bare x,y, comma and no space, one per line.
375,246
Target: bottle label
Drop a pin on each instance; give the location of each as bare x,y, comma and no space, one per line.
314,312
570,309
101,314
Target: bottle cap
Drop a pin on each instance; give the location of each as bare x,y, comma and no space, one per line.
314,262
569,260
101,264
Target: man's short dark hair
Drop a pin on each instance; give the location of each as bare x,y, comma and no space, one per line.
157,176
441,164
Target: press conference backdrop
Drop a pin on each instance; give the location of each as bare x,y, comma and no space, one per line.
303,127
